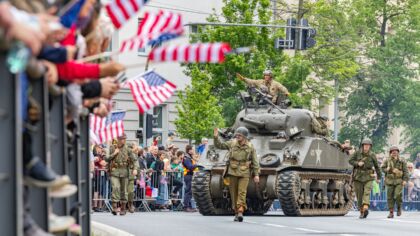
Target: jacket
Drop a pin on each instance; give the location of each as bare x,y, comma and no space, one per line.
397,172
367,171
242,158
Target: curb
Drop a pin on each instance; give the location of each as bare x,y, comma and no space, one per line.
99,229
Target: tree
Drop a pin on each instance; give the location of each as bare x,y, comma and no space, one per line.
382,91
198,110
306,76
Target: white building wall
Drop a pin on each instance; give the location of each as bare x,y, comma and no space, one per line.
192,11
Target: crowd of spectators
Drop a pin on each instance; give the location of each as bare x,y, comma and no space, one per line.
37,43
164,178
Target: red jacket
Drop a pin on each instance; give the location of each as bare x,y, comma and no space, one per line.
72,70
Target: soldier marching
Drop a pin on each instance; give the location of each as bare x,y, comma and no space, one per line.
396,177
242,164
365,166
121,167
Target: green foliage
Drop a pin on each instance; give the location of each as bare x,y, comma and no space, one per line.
382,97
198,109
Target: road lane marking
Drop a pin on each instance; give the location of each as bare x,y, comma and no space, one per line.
310,230
403,221
274,225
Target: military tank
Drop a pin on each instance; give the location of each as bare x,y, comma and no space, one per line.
308,173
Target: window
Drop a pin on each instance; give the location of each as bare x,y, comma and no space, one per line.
158,118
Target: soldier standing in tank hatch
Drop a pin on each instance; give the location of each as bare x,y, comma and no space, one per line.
364,167
274,87
396,177
120,161
243,164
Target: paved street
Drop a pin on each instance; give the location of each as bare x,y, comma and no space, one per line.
180,223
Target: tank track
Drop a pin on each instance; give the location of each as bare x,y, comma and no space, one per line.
208,206
289,190
202,195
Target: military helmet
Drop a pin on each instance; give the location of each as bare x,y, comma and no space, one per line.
367,141
393,148
242,131
268,72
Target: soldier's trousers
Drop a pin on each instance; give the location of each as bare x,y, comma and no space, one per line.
394,195
237,188
130,190
119,189
362,190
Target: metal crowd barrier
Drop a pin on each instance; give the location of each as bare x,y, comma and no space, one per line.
411,196
51,145
152,190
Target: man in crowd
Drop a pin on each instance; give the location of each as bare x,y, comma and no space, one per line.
364,167
189,166
202,146
151,156
396,177
121,162
243,164
274,87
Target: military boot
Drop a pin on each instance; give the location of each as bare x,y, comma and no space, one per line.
399,211
123,208
361,213
131,207
391,213
365,210
240,214
114,208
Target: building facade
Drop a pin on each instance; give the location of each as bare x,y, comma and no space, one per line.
166,113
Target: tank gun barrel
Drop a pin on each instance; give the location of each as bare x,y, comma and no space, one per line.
256,123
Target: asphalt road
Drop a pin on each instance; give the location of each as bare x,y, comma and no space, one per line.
185,224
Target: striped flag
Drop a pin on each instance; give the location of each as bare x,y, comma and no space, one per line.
150,90
154,29
104,129
120,11
200,52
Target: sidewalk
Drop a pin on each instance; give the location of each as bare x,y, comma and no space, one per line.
99,229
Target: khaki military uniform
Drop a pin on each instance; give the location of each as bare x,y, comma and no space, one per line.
120,168
243,164
274,87
397,173
364,175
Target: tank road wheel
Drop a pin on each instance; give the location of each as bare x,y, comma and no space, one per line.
288,188
202,195
336,200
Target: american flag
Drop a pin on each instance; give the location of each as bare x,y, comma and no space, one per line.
104,129
199,52
121,11
150,90
154,29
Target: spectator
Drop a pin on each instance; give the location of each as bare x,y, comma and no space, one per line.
410,184
152,156
202,147
176,176
100,178
170,140
161,167
189,167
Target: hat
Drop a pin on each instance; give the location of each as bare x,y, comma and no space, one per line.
170,133
123,136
